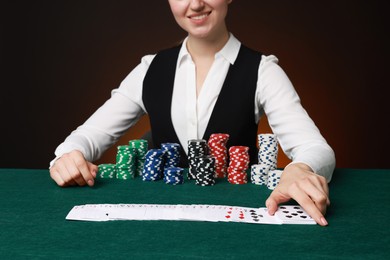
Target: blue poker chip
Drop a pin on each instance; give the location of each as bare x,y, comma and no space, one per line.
173,175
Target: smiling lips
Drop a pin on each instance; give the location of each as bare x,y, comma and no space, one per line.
199,17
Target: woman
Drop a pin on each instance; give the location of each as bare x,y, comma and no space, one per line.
186,90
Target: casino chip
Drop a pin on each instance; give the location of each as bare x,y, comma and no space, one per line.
238,164
273,178
140,147
196,148
268,150
205,170
154,165
217,146
259,174
265,172
107,171
125,162
162,163
172,154
173,175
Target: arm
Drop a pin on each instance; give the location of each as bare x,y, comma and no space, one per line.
89,141
313,161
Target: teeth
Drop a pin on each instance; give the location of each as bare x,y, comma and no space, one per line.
199,17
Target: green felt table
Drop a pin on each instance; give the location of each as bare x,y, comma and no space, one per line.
33,225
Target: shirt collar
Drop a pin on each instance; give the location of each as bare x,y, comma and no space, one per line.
228,52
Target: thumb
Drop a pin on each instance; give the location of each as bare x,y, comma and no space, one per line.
93,169
274,200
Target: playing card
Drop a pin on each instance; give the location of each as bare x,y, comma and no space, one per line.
213,213
189,212
235,214
88,213
261,216
248,215
293,214
128,212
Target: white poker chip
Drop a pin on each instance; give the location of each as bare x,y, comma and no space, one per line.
273,178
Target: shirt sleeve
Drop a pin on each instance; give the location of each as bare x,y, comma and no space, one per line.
111,120
297,134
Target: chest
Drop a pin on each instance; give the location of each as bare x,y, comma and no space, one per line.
202,70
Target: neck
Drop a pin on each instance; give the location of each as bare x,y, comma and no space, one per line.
201,47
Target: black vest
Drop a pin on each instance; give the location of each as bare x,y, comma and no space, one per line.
233,112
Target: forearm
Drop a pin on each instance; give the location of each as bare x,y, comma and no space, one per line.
102,129
320,159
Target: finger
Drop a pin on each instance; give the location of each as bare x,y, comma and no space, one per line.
73,172
93,169
325,187
309,206
322,186
82,167
64,173
317,195
274,200
56,176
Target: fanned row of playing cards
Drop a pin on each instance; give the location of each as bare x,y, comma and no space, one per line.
214,213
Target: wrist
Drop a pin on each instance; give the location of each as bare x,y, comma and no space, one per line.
299,166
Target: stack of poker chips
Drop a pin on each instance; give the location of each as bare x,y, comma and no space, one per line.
125,162
239,163
107,171
172,154
173,175
141,148
268,150
154,165
217,146
265,173
259,174
273,178
196,148
205,170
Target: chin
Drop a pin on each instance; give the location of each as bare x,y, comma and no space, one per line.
200,34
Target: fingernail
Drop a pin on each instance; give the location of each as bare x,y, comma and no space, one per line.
323,221
90,182
270,212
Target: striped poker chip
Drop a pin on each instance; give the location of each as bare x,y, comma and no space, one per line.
196,148
140,147
273,178
268,150
259,174
154,165
205,171
125,162
238,164
107,171
173,175
217,146
172,154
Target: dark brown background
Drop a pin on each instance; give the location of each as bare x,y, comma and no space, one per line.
60,60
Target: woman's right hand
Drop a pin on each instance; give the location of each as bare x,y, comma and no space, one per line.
72,169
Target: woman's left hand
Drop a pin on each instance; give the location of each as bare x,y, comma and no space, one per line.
309,189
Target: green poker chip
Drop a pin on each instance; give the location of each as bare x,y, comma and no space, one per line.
107,171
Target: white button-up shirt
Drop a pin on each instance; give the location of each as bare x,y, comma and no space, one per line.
275,96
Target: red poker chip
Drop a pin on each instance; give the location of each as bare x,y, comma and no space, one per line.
217,144
237,182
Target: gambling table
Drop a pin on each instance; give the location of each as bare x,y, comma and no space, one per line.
33,225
